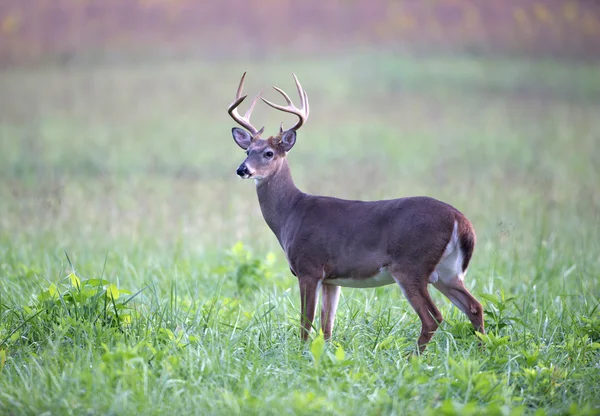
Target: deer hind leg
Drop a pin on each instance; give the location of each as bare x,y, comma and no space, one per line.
330,296
415,290
455,290
309,290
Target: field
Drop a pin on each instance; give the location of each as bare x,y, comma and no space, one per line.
137,275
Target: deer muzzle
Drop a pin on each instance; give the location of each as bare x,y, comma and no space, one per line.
243,171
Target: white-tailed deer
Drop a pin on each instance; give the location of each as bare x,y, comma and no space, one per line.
331,242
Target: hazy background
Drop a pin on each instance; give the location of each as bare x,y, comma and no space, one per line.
114,133
76,30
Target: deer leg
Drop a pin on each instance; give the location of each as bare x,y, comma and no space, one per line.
418,296
309,289
330,296
455,290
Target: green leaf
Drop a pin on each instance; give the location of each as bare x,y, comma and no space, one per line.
317,347
89,292
53,291
169,333
95,282
490,298
238,249
2,359
386,343
340,354
43,296
112,291
482,336
447,408
15,337
75,281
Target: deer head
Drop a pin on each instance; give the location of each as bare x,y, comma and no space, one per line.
265,156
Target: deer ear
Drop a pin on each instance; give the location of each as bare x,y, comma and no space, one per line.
288,139
241,137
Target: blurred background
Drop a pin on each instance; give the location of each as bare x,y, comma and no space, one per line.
114,30
114,134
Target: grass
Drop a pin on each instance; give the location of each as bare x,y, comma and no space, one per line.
175,297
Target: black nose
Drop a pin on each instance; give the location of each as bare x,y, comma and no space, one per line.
242,171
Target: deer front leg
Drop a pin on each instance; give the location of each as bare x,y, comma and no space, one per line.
308,303
330,296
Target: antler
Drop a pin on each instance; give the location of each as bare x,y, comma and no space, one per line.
244,121
301,112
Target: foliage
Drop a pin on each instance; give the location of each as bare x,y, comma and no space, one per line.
66,307
139,345
247,271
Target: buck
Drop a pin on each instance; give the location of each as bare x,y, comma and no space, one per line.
332,243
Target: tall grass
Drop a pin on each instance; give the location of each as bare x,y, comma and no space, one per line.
175,297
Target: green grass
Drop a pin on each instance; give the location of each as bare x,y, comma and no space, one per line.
130,171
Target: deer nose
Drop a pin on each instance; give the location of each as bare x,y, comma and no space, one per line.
242,171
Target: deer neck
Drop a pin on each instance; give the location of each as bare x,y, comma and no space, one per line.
277,196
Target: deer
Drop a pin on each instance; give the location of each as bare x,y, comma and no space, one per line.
331,243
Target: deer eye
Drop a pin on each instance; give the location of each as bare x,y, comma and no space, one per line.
268,153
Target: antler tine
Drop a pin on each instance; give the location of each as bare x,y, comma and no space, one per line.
307,108
301,113
300,92
232,110
238,93
282,92
248,112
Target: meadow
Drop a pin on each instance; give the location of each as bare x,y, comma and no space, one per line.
137,275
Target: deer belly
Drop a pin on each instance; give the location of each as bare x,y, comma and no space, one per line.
380,279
